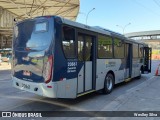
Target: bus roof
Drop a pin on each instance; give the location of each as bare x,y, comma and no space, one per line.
96,29
83,26
101,30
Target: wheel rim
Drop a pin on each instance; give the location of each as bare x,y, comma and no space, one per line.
109,83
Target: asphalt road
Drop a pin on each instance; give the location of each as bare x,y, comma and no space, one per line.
12,99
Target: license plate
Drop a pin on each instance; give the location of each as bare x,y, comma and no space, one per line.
25,86
26,73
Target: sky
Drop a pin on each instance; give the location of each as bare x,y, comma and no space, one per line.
144,15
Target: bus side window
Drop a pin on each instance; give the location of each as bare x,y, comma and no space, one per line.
80,47
135,50
104,46
118,48
141,51
88,48
68,42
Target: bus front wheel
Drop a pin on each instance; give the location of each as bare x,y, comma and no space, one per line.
108,84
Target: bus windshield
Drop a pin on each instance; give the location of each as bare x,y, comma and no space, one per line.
32,34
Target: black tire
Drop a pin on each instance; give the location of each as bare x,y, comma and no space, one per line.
108,84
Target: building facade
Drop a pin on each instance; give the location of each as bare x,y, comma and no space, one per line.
6,28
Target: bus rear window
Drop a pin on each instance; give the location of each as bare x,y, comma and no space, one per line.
41,27
27,34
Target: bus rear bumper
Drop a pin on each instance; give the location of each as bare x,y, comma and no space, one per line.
42,89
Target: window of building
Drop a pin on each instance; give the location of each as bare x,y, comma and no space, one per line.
105,46
118,48
68,42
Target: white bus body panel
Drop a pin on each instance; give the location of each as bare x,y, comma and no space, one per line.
136,67
126,73
60,89
88,75
81,80
43,90
67,88
106,65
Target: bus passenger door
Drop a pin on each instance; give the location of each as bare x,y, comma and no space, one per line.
147,60
85,59
128,57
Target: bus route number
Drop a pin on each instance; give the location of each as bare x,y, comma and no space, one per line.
70,64
71,67
25,86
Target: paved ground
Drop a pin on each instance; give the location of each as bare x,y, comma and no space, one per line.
5,71
136,95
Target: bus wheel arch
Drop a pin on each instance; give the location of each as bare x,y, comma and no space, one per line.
109,82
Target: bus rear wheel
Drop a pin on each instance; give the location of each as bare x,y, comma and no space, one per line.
108,84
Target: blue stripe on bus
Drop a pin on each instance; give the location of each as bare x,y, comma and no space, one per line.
61,70
123,64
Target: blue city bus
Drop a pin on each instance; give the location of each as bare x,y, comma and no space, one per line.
58,58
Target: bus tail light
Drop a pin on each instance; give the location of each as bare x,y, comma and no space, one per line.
48,69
